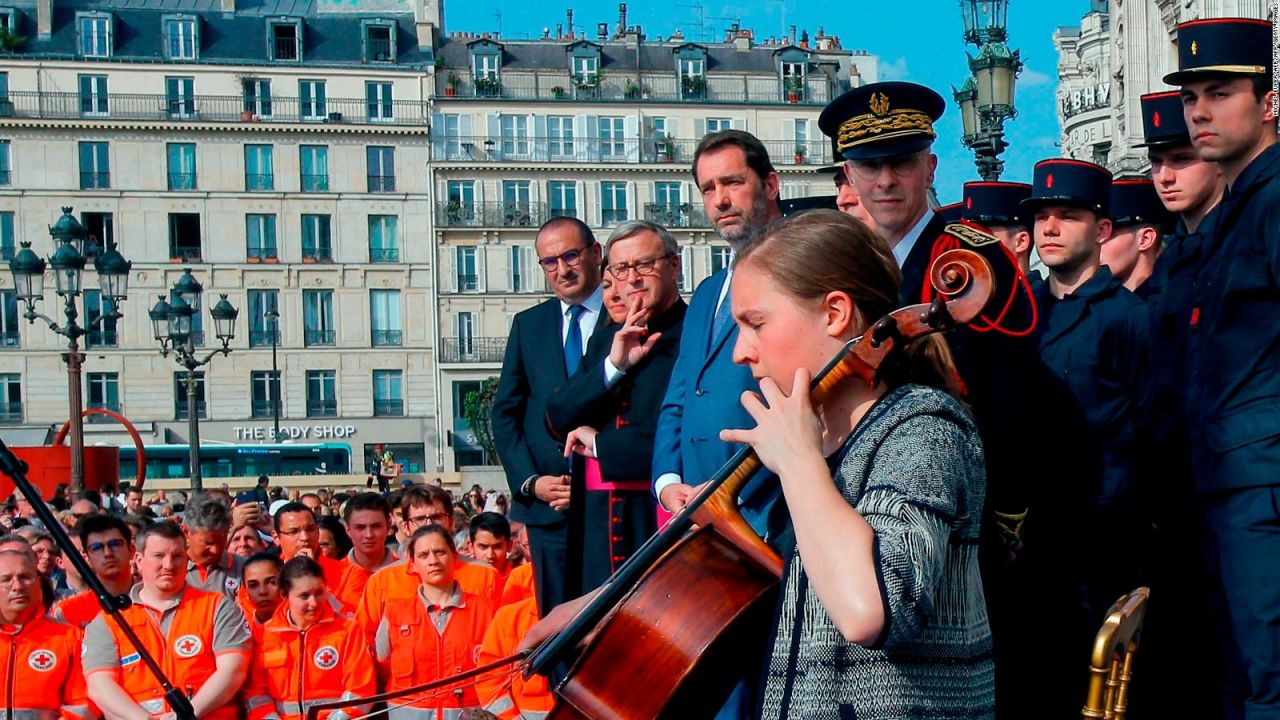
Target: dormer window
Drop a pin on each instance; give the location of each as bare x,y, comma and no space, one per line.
691,71
486,68
9,20
285,40
181,37
585,68
94,37
379,41
793,73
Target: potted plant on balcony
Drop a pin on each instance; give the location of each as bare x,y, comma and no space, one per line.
693,86
488,87
587,84
795,89
666,148
10,40
452,83
631,90
453,212
558,92
800,153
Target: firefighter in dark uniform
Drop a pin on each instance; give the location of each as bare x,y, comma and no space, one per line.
1092,341
1190,189
1233,349
1138,225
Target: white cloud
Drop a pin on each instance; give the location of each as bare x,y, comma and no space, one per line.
1032,78
894,70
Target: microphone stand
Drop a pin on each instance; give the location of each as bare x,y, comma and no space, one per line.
111,604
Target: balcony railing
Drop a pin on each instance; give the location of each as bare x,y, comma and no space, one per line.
258,253
286,48
313,338
593,149
259,182
10,412
180,409
5,177
259,409
10,339
101,338
388,338
262,338
491,214
311,253
322,408
388,408
378,49
684,215
472,349
315,183
208,108
182,181
184,254
95,180
384,254
382,183
664,88
467,283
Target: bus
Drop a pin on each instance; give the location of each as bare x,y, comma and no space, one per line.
233,460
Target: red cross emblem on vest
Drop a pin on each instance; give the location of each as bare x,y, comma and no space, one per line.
42,660
326,657
187,646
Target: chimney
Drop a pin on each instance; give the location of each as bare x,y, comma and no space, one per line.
559,31
569,22
44,19
622,19
602,31
546,33
804,39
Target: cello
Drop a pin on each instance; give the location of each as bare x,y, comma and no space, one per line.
699,595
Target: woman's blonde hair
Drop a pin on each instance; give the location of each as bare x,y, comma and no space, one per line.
817,252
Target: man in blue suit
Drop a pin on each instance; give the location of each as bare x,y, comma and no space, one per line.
740,192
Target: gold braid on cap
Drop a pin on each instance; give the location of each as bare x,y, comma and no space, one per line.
869,127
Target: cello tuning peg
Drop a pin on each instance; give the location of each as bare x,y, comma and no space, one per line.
937,316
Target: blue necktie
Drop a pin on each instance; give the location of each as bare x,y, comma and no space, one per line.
573,341
723,314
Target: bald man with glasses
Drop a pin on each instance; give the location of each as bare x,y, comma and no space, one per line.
544,349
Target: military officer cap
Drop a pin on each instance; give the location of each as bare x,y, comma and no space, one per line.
1163,123
1075,183
994,203
1135,202
950,213
791,206
1222,46
882,120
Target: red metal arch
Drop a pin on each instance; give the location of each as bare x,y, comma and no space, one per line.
128,426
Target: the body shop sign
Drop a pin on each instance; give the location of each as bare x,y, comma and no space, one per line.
295,432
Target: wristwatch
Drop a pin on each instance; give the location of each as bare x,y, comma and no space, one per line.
527,488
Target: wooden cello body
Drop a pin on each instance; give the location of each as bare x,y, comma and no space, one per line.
667,636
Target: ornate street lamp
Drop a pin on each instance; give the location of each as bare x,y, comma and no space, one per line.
172,324
986,98
273,318
67,263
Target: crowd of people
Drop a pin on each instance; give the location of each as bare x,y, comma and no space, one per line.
951,532
263,604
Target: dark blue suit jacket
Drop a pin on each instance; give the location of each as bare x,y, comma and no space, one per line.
703,398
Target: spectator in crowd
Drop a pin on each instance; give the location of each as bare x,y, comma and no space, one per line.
61,498
259,594
45,549
614,305
245,542
298,533
207,524
334,542
71,583
544,349
449,621
608,411
312,501
108,547
369,522
208,632
44,678
25,512
490,540
473,501
260,490
306,654
519,584
133,501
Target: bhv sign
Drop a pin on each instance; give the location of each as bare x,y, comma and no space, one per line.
296,432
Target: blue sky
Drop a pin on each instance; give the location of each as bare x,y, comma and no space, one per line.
917,40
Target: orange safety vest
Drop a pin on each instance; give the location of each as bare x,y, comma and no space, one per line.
334,571
520,698
420,655
185,653
293,669
78,610
397,581
519,584
40,665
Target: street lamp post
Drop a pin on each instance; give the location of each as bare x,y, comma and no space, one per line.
68,262
273,317
986,97
171,324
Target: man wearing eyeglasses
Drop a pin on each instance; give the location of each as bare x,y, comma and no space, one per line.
298,533
544,348
43,677
608,411
105,539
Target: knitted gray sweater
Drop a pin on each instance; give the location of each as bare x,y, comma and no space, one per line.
914,470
